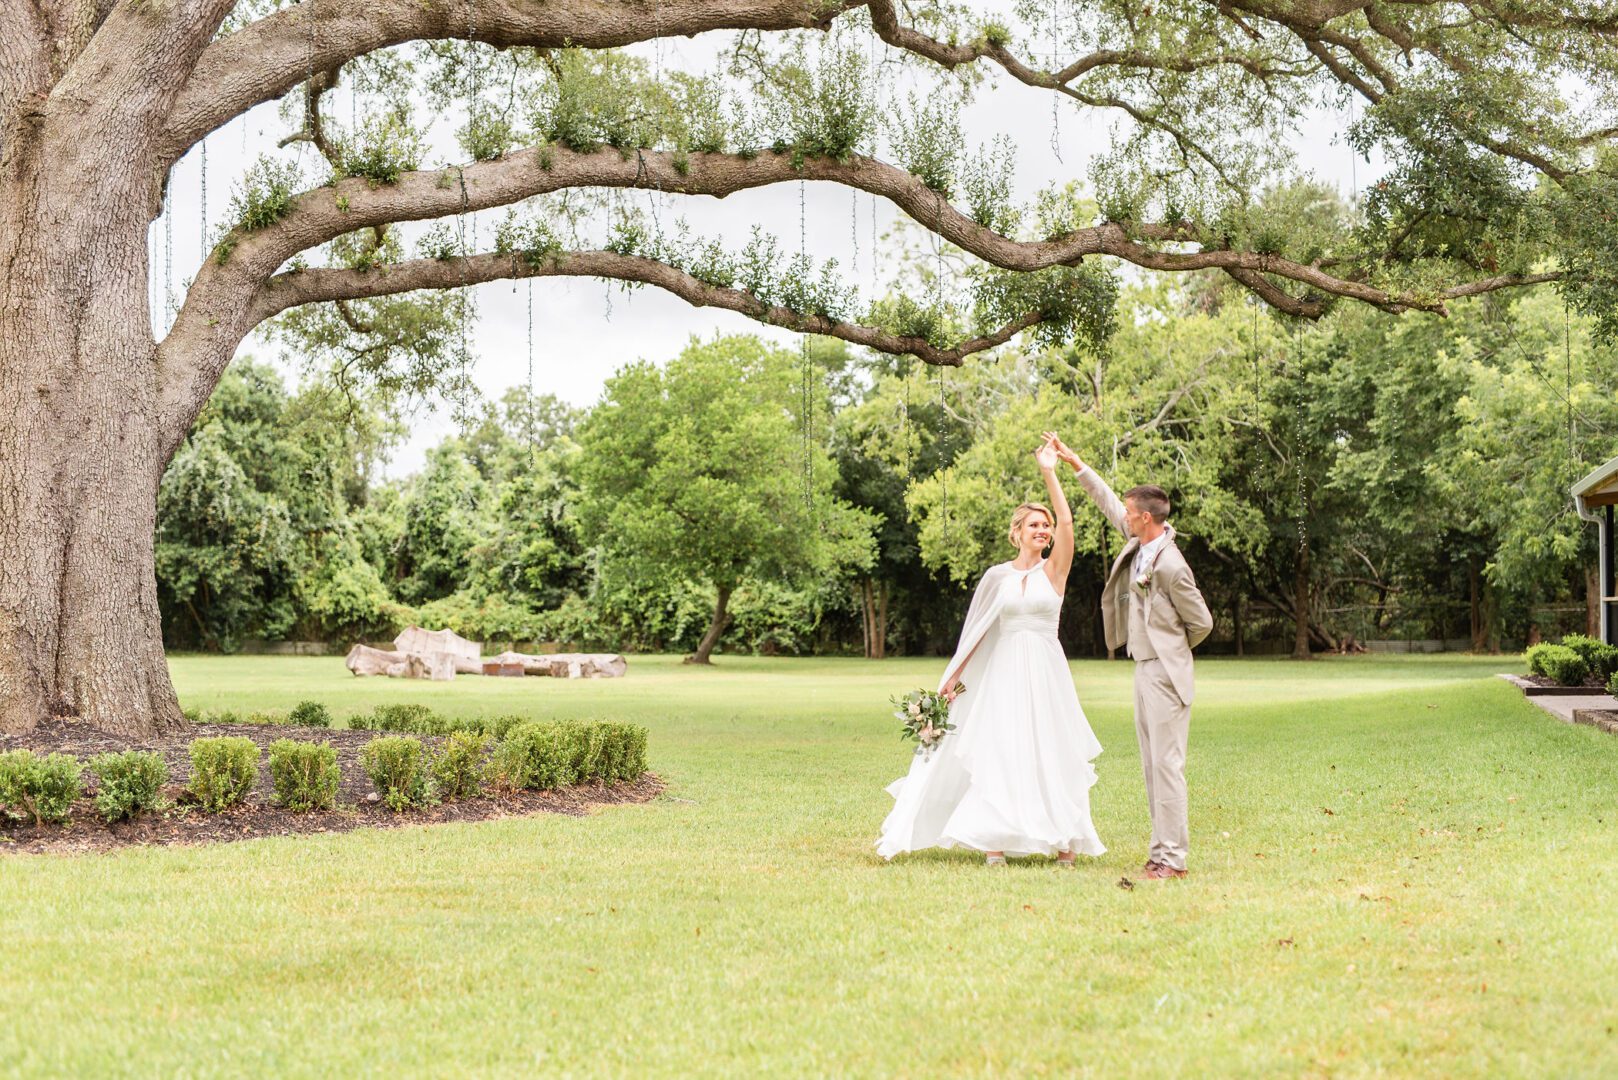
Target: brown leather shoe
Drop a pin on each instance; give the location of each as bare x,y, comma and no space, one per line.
1147,869
1159,872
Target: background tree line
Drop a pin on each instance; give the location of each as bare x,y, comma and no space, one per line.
1364,476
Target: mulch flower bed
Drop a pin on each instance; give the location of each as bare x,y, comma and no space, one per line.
186,823
1540,684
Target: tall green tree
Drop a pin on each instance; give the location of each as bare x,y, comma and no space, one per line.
255,536
714,470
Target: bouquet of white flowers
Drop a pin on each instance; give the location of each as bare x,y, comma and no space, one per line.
924,715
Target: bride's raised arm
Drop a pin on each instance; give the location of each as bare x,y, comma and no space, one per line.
1061,556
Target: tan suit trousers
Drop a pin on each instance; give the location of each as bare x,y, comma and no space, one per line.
1163,726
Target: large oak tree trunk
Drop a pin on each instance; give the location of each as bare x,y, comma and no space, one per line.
82,445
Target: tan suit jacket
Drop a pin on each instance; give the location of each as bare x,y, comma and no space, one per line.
1177,617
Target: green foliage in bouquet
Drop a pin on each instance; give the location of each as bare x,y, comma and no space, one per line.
924,717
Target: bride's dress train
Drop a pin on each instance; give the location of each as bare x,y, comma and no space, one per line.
1015,774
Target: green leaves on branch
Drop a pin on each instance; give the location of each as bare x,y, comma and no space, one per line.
594,99
264,195
799,287
384,148
1077,304
824,110
926,140
533,239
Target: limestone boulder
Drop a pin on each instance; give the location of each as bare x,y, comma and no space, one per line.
364,660
465,656
568,665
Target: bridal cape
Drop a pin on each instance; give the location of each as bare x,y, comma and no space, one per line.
1015,773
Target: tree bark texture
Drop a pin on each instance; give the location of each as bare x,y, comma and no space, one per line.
82,446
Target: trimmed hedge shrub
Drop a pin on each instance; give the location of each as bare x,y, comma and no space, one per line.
620,753
536,755
411,719
1534,657
610,751
396,765
1600,658
223,771
542,755
420,720
458,768
304,774
1563,665
128,783
310,714
496,726
43,788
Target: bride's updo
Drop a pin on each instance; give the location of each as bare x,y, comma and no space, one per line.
1020,515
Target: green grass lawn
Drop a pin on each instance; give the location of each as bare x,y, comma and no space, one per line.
1398,868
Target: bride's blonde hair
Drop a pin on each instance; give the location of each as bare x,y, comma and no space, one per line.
1020,515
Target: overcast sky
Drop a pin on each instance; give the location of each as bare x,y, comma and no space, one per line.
582,330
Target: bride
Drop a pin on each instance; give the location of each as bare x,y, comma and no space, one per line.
1014,777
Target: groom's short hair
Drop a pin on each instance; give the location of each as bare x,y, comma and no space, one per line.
1150,498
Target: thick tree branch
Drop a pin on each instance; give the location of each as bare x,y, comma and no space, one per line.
295,288
215,316
314,124
326,213
267,58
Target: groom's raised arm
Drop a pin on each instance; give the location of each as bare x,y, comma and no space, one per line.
1095,487
1102,495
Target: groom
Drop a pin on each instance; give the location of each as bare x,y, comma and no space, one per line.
1151,604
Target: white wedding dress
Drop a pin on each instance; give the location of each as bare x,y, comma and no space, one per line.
1015,774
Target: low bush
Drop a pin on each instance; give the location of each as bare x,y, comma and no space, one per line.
128,783
496,727
602,750
409,719
549,754
1563,665
458,767
214,716
223,771
271,717
537,755
310,714
619,751
43,788
1600,659
1534,657
304,774
396,765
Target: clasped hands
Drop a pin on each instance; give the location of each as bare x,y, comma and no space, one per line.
1054,450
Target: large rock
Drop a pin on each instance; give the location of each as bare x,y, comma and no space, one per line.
568,665
364,660
465,656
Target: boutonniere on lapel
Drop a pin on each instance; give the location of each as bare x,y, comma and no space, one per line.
1143,580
